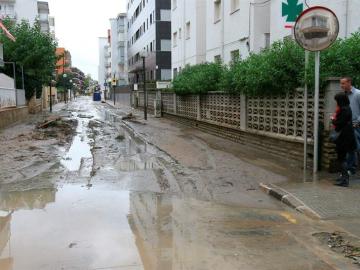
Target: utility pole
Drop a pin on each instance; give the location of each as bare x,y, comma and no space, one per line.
145,94
50,95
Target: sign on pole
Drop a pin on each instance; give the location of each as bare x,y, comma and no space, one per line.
315,30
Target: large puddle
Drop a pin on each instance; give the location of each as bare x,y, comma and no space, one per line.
80,148
107,228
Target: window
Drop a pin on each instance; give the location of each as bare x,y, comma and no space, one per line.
235,55
235,5
267,40
188,29
175,39
151,47
165,15
166,74
217,58
151,19
165,45
175,72
217,10
179,33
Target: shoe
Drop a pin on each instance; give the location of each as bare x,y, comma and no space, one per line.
343,182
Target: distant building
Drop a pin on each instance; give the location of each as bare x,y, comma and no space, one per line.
149,33
118,49
102,69
52,27
78,78
63,64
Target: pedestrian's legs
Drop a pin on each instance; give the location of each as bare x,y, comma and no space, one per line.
352,161
344,180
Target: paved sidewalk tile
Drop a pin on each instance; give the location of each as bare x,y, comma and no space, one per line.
327,200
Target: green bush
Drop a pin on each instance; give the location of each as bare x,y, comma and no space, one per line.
277,70
342,59
198,79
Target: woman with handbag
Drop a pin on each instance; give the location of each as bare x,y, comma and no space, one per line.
343,136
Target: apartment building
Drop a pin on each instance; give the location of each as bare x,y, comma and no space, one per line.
52,27
19,9
118,38
102,69
235,28
188,19
64,62
30,10
43,16
78,78
149,35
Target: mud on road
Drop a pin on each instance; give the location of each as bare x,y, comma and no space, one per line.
33,148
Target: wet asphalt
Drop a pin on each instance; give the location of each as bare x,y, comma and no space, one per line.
114,201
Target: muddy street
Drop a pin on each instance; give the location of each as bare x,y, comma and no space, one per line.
103,194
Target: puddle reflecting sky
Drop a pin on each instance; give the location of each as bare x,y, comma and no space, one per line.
107,228
79,149
82,229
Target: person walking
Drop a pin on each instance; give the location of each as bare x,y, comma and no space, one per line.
354,98
345,138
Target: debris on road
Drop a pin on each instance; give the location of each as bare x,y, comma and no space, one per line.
55,127
129,116
120,137
341,243
48,122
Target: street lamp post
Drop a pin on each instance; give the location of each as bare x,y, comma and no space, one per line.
71,87
143,55
51,103
64,84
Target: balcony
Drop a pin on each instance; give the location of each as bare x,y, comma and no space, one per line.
121,44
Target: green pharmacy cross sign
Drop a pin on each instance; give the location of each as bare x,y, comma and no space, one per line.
292,9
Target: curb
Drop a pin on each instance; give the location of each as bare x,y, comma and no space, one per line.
289,199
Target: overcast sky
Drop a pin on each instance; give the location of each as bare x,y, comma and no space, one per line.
78,25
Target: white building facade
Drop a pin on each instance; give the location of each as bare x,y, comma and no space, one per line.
188,19
29,10
235,28
102,69
118,41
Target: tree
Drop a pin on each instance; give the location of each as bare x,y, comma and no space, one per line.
87,82
33,50
64,82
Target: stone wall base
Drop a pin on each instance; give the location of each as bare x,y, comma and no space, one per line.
290,151
12,115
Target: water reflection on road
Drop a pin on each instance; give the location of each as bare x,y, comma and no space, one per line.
104,228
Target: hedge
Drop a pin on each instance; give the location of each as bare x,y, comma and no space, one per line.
277,70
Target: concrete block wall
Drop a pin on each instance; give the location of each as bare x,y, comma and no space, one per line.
273,123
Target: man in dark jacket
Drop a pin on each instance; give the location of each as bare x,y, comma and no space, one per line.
354,98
